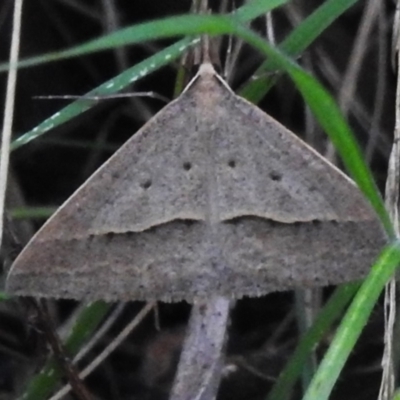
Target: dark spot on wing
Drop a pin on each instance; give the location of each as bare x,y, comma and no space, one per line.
275,176
232,163
187,166
146,184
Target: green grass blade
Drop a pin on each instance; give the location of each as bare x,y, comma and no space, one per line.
189,24
323,105
31,212
43,384
343,139
158,29
113,85
4,296
138,33
353,323
332,310
296,42
255,8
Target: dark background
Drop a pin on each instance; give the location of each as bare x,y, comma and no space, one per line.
45,172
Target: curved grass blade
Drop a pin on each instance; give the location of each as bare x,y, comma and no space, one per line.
296,42
343,139
333,309
158,29
322,105
353,323
164,57
113,85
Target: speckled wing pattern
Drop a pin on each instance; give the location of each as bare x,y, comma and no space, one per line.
211,197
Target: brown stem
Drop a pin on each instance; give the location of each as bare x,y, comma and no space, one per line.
45,322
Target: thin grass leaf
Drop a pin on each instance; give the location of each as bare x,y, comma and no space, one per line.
113,85
343,139
322,105
32,212
43,384
86,322
159,29
4,296
296,42
333,309
255,8
136,34
353,323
